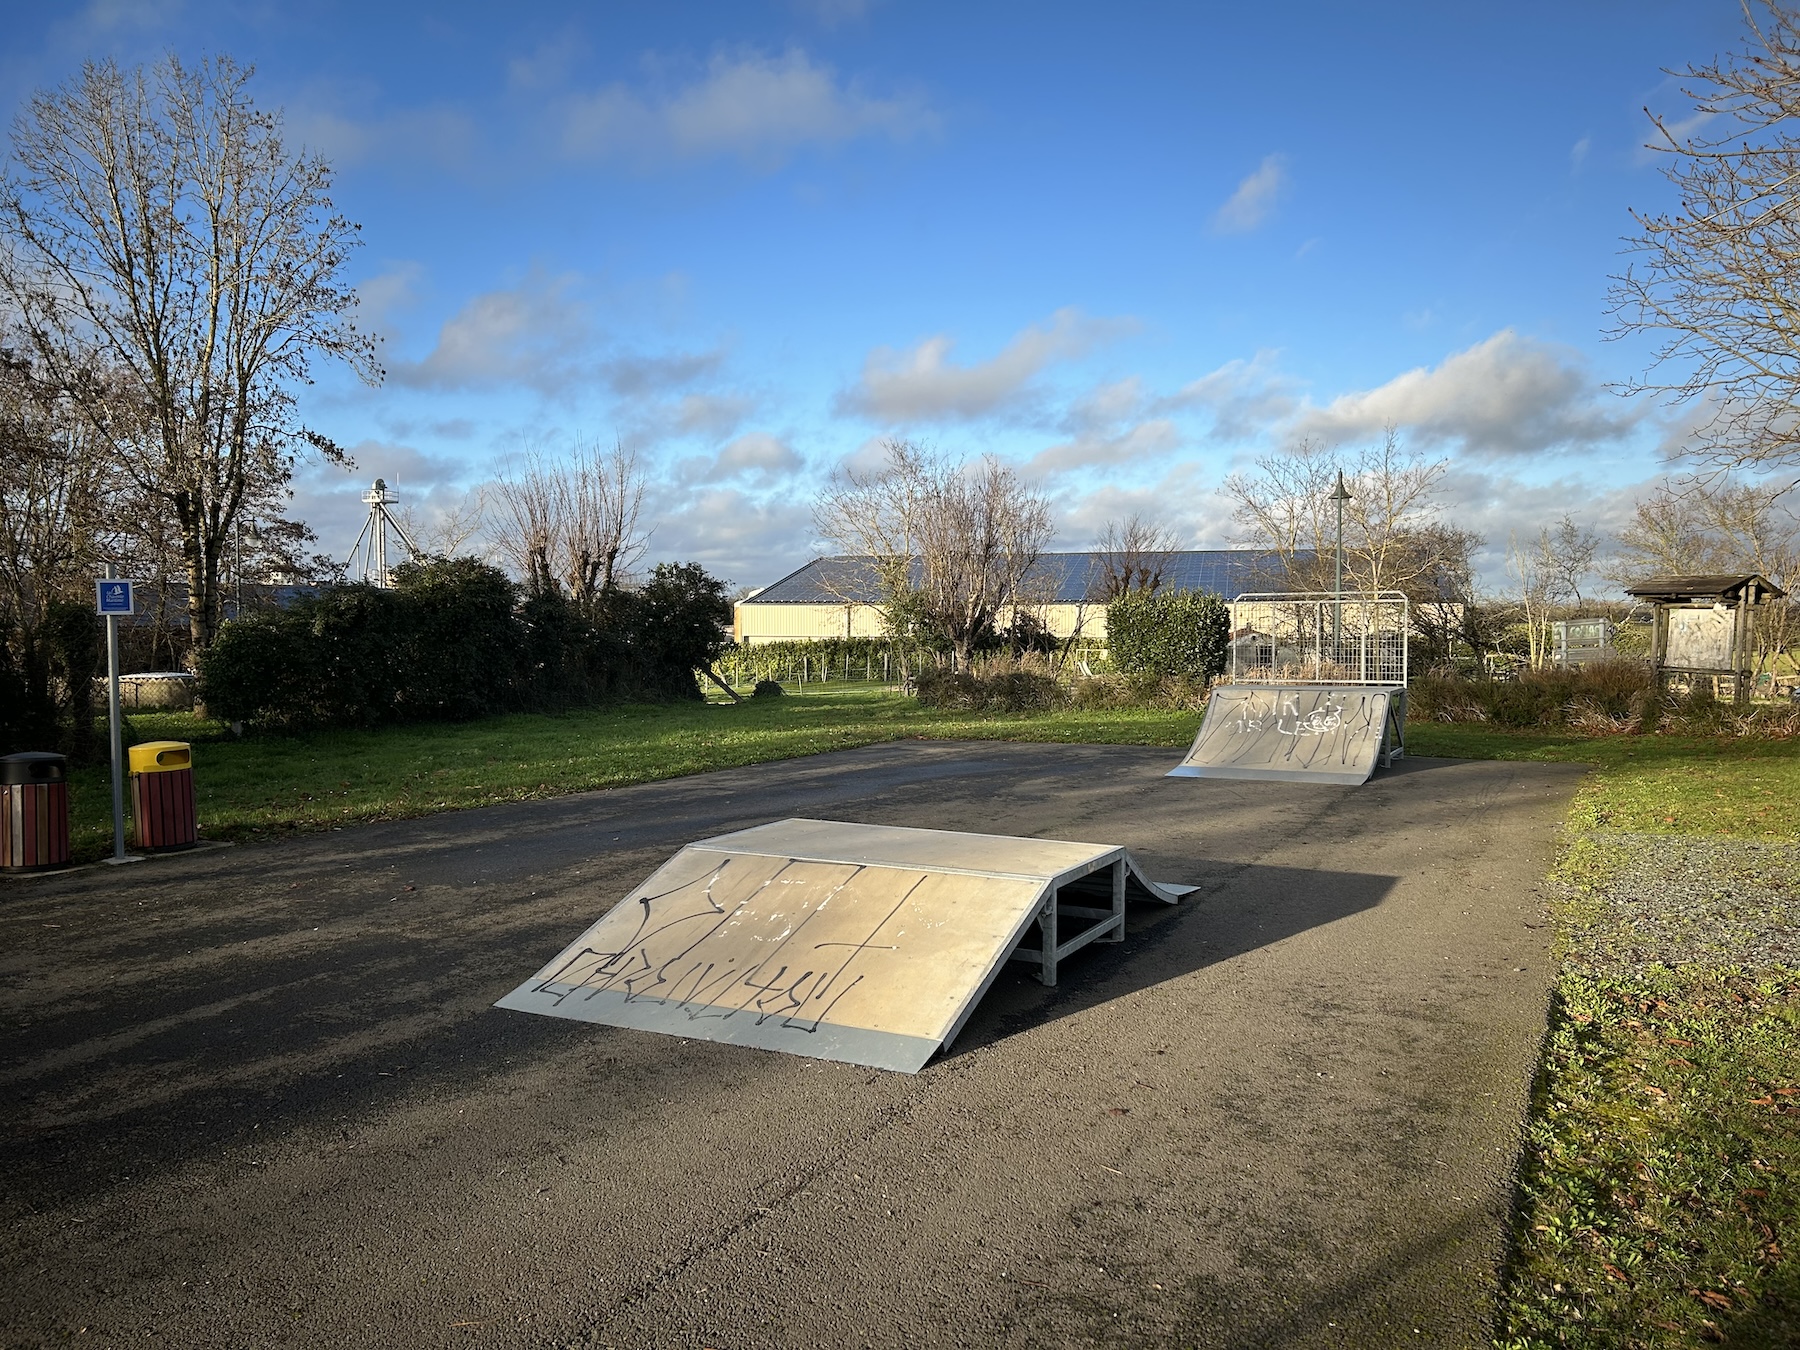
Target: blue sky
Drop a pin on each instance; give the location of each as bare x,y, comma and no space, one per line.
1126,247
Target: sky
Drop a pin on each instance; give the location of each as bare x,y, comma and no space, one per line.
1126,248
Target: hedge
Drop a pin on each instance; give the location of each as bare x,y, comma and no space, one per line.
453,640
1169,633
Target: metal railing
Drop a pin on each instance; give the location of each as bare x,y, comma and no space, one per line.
1316,638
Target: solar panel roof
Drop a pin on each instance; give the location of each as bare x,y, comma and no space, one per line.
1069,578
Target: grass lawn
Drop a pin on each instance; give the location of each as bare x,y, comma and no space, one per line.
269,785
1742,787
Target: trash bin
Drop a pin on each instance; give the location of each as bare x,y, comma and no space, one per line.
162,796
34,811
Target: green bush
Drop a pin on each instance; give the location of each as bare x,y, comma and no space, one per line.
767,689
1001,691
677,624
858,658
453,641
1169,633
1607,695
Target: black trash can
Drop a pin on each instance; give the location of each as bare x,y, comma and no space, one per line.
34,811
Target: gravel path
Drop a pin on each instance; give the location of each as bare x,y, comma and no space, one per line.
1653,899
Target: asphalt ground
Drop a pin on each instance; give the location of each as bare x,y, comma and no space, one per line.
257,1096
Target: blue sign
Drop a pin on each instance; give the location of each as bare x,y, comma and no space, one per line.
113,596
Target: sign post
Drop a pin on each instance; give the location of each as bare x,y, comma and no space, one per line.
113,597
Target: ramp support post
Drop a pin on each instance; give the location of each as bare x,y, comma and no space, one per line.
1393,735
1108,924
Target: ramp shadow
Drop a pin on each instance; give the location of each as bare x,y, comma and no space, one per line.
1237,908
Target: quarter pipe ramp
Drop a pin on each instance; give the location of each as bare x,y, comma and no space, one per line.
1297,733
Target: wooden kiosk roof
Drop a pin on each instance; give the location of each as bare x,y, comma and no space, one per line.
1709,586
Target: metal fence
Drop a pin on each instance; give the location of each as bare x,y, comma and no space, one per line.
1318,639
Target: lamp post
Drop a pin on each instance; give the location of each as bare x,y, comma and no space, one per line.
1340,496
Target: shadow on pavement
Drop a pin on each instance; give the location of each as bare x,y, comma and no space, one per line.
143,1035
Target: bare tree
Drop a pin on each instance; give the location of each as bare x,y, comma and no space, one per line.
447,533
53,502
573,525
1549,571
1715,280
949,547
158,228
1721,525
1134,556
1393,537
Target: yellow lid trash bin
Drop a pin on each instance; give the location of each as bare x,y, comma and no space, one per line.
161,756
162,795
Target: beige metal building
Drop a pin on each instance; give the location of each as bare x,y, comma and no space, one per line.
836,597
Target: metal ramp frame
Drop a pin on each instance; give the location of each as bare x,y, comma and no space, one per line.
869,944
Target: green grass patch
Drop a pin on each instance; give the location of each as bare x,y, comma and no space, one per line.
1658,1200
1739,786
262,786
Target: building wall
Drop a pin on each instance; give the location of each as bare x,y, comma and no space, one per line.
754,624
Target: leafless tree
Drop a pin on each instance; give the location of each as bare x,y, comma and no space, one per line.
1720,525
447,533
950,547
1715,280
573,525
1393,536
158,228
53,500
1549,571
1134,556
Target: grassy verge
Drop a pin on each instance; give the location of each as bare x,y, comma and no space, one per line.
1658,1196
269,785
1659,1190
1684,785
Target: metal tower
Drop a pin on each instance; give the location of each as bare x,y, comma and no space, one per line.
372,543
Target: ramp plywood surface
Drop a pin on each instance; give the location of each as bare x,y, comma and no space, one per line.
863,943
1301,733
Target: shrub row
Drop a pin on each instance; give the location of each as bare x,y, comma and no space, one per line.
453,640
1169,634
856,658
1605,692
1033,688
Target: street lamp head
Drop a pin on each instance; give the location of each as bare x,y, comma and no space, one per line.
1342,493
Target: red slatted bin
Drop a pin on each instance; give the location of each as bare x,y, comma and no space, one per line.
34,812
162,796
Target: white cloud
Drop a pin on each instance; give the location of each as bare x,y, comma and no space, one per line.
922,384
758,108
1135,446
745,538
1244,398
1255,198
636,374
1504,395
755,456
1578,152
537,333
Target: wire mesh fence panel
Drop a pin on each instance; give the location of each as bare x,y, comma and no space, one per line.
1319,639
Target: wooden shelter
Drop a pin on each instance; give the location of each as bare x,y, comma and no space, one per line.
1705,626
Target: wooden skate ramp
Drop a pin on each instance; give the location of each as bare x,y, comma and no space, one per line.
1297,733
864,943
